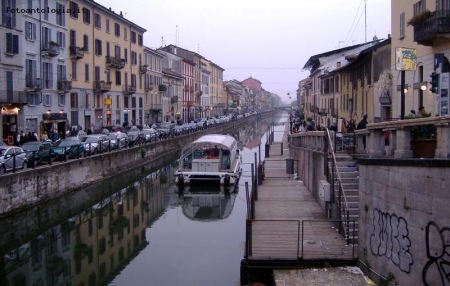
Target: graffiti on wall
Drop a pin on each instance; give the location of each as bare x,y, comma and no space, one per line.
437,270
390,238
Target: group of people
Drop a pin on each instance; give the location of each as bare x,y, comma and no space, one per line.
22,137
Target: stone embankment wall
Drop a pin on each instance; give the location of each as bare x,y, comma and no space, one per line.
26,188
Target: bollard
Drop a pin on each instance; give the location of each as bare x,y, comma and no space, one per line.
281,148
289,166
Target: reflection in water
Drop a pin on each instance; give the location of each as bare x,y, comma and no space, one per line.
207,202
93,246
95,239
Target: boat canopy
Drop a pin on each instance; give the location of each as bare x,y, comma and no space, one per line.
220,140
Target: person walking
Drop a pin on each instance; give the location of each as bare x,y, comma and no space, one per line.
362,125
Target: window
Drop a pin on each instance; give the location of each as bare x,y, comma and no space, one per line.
61,39
30,6
45,10
47,75
61,72
88,100
133,58
73,100
86,15
8,17
133,37
140,81
402,25
86,43
46,36
30,73
133,80
117,29
47,100
118,78
419,7
125,33
117,51
74,10
125,51
98,21
98,47
107,25
30,31
61,99
34,98
118,101
74,70
60,15
86,72
140,40
12,44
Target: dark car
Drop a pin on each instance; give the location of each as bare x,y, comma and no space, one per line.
38,152
135,137
69,148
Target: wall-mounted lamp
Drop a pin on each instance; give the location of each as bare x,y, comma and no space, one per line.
61,111
405,90
48,111
423,87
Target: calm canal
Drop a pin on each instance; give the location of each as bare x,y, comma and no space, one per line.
142,232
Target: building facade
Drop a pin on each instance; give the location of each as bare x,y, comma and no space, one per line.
153,86
106,70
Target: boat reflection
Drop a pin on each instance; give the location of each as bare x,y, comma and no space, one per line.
207,202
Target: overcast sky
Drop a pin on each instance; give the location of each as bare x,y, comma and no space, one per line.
270,40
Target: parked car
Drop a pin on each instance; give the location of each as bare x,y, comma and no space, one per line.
69,148
150,134
12,157
96,143
118,139
38,152
135,137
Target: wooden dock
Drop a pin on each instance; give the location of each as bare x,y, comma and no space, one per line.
289,226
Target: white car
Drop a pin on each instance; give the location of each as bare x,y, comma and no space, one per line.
12,157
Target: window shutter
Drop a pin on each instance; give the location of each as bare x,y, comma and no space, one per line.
27,30
15,44
9,45
37,99
33,27
13,15
50,75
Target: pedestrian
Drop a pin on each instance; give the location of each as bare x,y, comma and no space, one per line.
362,125
35,136
89,131
18,139
351,126
422,112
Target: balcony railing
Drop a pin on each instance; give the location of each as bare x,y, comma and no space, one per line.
174,99
113,62
148,87
143,69
64,85
101,86
76,53
33,84
129,89
429,29
13,97
49,49
155,107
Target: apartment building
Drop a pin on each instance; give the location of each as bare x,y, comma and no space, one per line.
171,97
203,95
216,90
106,67
12,95
153,86
421,29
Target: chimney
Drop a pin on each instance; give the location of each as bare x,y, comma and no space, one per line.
121,15
338,64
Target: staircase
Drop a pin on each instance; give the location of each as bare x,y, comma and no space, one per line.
348,172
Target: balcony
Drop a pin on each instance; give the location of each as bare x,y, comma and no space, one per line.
432,28
13,97
155,107
322,111
174,99
49,49
191,88
101,86
33,84
143,69
129,89
76,53
113,62
64,85
199,93
148,87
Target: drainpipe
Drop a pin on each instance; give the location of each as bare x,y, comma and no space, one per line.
93,62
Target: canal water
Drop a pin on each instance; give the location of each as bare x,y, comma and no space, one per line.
137,229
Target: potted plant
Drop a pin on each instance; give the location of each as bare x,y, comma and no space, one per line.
423,139
416,19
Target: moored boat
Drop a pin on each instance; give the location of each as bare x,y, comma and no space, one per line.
213,157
